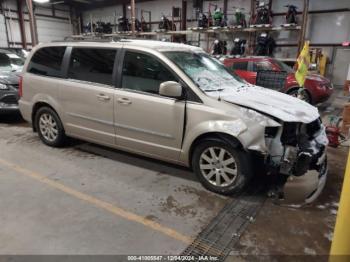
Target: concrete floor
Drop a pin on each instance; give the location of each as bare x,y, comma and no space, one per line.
85,199
42,218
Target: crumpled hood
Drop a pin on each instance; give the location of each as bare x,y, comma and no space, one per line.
273,103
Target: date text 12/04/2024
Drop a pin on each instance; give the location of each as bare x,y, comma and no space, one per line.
172,258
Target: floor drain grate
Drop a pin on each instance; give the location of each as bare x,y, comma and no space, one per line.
224,231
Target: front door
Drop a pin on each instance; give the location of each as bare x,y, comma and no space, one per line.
145,121
87,95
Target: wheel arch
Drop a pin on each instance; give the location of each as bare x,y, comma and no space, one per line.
294,88
291,89
36,107
230,139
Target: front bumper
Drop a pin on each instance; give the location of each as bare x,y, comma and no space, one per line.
9,101
302,171
299,191
8,108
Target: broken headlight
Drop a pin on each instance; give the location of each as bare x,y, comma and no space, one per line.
289,135
313,128
271,131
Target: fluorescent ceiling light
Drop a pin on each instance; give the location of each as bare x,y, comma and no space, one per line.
41,1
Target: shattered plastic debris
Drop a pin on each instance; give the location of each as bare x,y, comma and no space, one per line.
321,206
335,204
334,211
309,251
329,236
251,219
295,206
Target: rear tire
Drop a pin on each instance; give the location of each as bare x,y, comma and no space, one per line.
49,127
221,167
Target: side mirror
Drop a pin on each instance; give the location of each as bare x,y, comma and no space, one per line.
170,89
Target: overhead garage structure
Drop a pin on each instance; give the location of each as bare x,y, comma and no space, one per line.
59,19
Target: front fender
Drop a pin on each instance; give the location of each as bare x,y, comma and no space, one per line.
232,128
251,137
245,125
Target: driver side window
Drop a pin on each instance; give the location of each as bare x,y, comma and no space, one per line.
144,73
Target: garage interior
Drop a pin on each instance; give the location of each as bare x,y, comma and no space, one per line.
89,200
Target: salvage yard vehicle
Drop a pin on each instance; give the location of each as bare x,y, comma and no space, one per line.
10,66
318,88
175,103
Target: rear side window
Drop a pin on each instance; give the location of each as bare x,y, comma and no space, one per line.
262,66
92,65
47,61
240,66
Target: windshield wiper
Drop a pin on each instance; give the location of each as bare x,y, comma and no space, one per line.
213,90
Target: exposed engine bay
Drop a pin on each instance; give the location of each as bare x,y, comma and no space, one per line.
288,143
297,151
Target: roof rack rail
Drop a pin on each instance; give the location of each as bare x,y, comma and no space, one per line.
94,38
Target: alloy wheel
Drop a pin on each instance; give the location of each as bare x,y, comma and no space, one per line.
218,166
48,127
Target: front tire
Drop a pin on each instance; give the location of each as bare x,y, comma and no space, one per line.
305,95
49,127
221,167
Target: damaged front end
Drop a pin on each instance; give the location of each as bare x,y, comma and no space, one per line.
297,156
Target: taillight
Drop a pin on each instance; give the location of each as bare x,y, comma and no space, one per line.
20,86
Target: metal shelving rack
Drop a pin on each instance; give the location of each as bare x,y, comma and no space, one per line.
210,32
252,31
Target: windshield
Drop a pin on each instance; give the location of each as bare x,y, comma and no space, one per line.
207,73
284,67
10,62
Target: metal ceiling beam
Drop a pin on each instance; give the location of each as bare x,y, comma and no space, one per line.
93,5
184,15
21,23
32,22
133,16
304,25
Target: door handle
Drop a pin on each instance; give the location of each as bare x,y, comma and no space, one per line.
103,97
124,101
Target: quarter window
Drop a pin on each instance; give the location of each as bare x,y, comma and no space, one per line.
4,61
261,66
92,65
240,66
144,73
47,61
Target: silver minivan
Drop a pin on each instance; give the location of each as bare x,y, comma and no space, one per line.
175,103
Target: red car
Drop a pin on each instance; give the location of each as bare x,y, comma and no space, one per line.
318,88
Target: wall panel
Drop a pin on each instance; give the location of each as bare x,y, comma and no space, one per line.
3,37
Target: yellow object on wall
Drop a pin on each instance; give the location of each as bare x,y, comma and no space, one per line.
340,250
322,64
303,63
